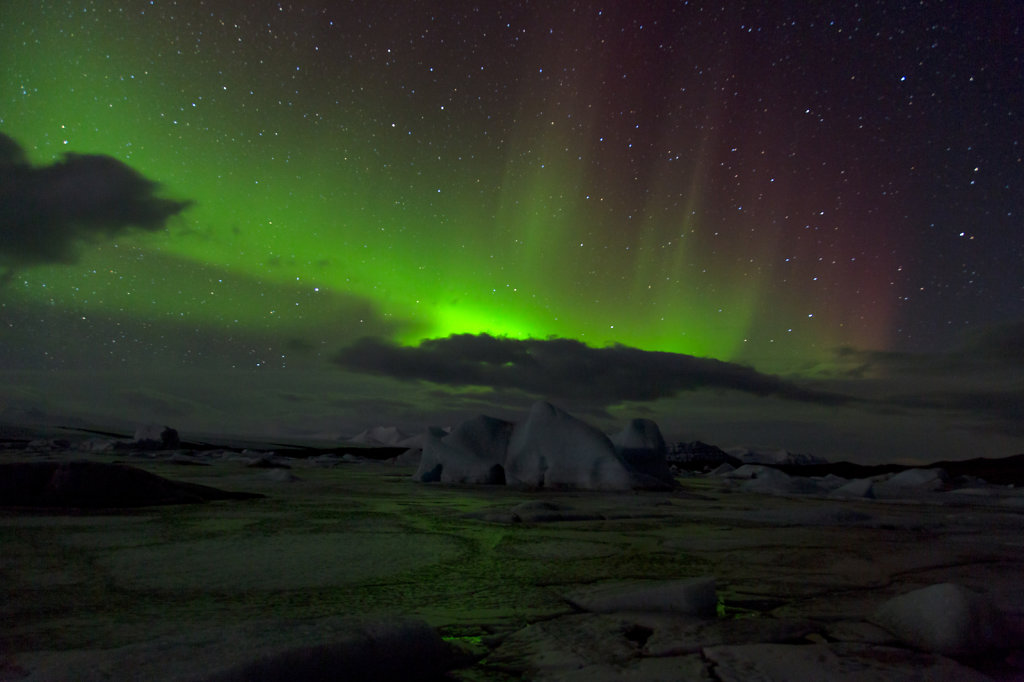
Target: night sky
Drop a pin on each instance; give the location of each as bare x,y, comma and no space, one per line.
789,224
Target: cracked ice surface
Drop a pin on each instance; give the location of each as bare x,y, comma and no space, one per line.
180,592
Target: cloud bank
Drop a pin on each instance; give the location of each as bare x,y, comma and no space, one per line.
978,385
566,369
47,212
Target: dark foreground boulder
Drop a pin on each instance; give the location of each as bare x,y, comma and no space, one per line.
947,619
643,448
377,652
549,449
473,453
372,648
553,449
96,485
153,437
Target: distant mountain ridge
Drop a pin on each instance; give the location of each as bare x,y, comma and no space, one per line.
997,470
777,457
390,436
698,453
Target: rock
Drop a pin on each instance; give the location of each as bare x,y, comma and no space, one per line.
399,650
266,462
49,444
931,479
677,635
911,481
553,648
281,476
830,482
860,632
859,488
382,435
430,467
294,649
694,596
690,668
98,445
723,469
589,648
550,449
698,454
410,457
97,485
769,480
642,447
816,515
946,619
152,437
541,511
836,663
553,449
782,485
776,457
186,460
748,472
474,452
326,460
486,437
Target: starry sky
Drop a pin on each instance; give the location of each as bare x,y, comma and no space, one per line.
793,222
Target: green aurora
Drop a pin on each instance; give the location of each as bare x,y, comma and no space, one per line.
418,212
334,176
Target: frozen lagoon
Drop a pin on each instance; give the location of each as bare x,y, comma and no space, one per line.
339,555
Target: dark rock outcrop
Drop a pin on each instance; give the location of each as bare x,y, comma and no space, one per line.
96,485
549,449
643,448
152,437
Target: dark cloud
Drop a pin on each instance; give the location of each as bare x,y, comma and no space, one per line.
565,369
1000,346
996,410
977,386
47,212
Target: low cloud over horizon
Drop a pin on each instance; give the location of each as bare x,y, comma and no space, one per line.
331,368
985,395
874,406
566,368
979,384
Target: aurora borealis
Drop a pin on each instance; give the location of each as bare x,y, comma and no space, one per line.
811,190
